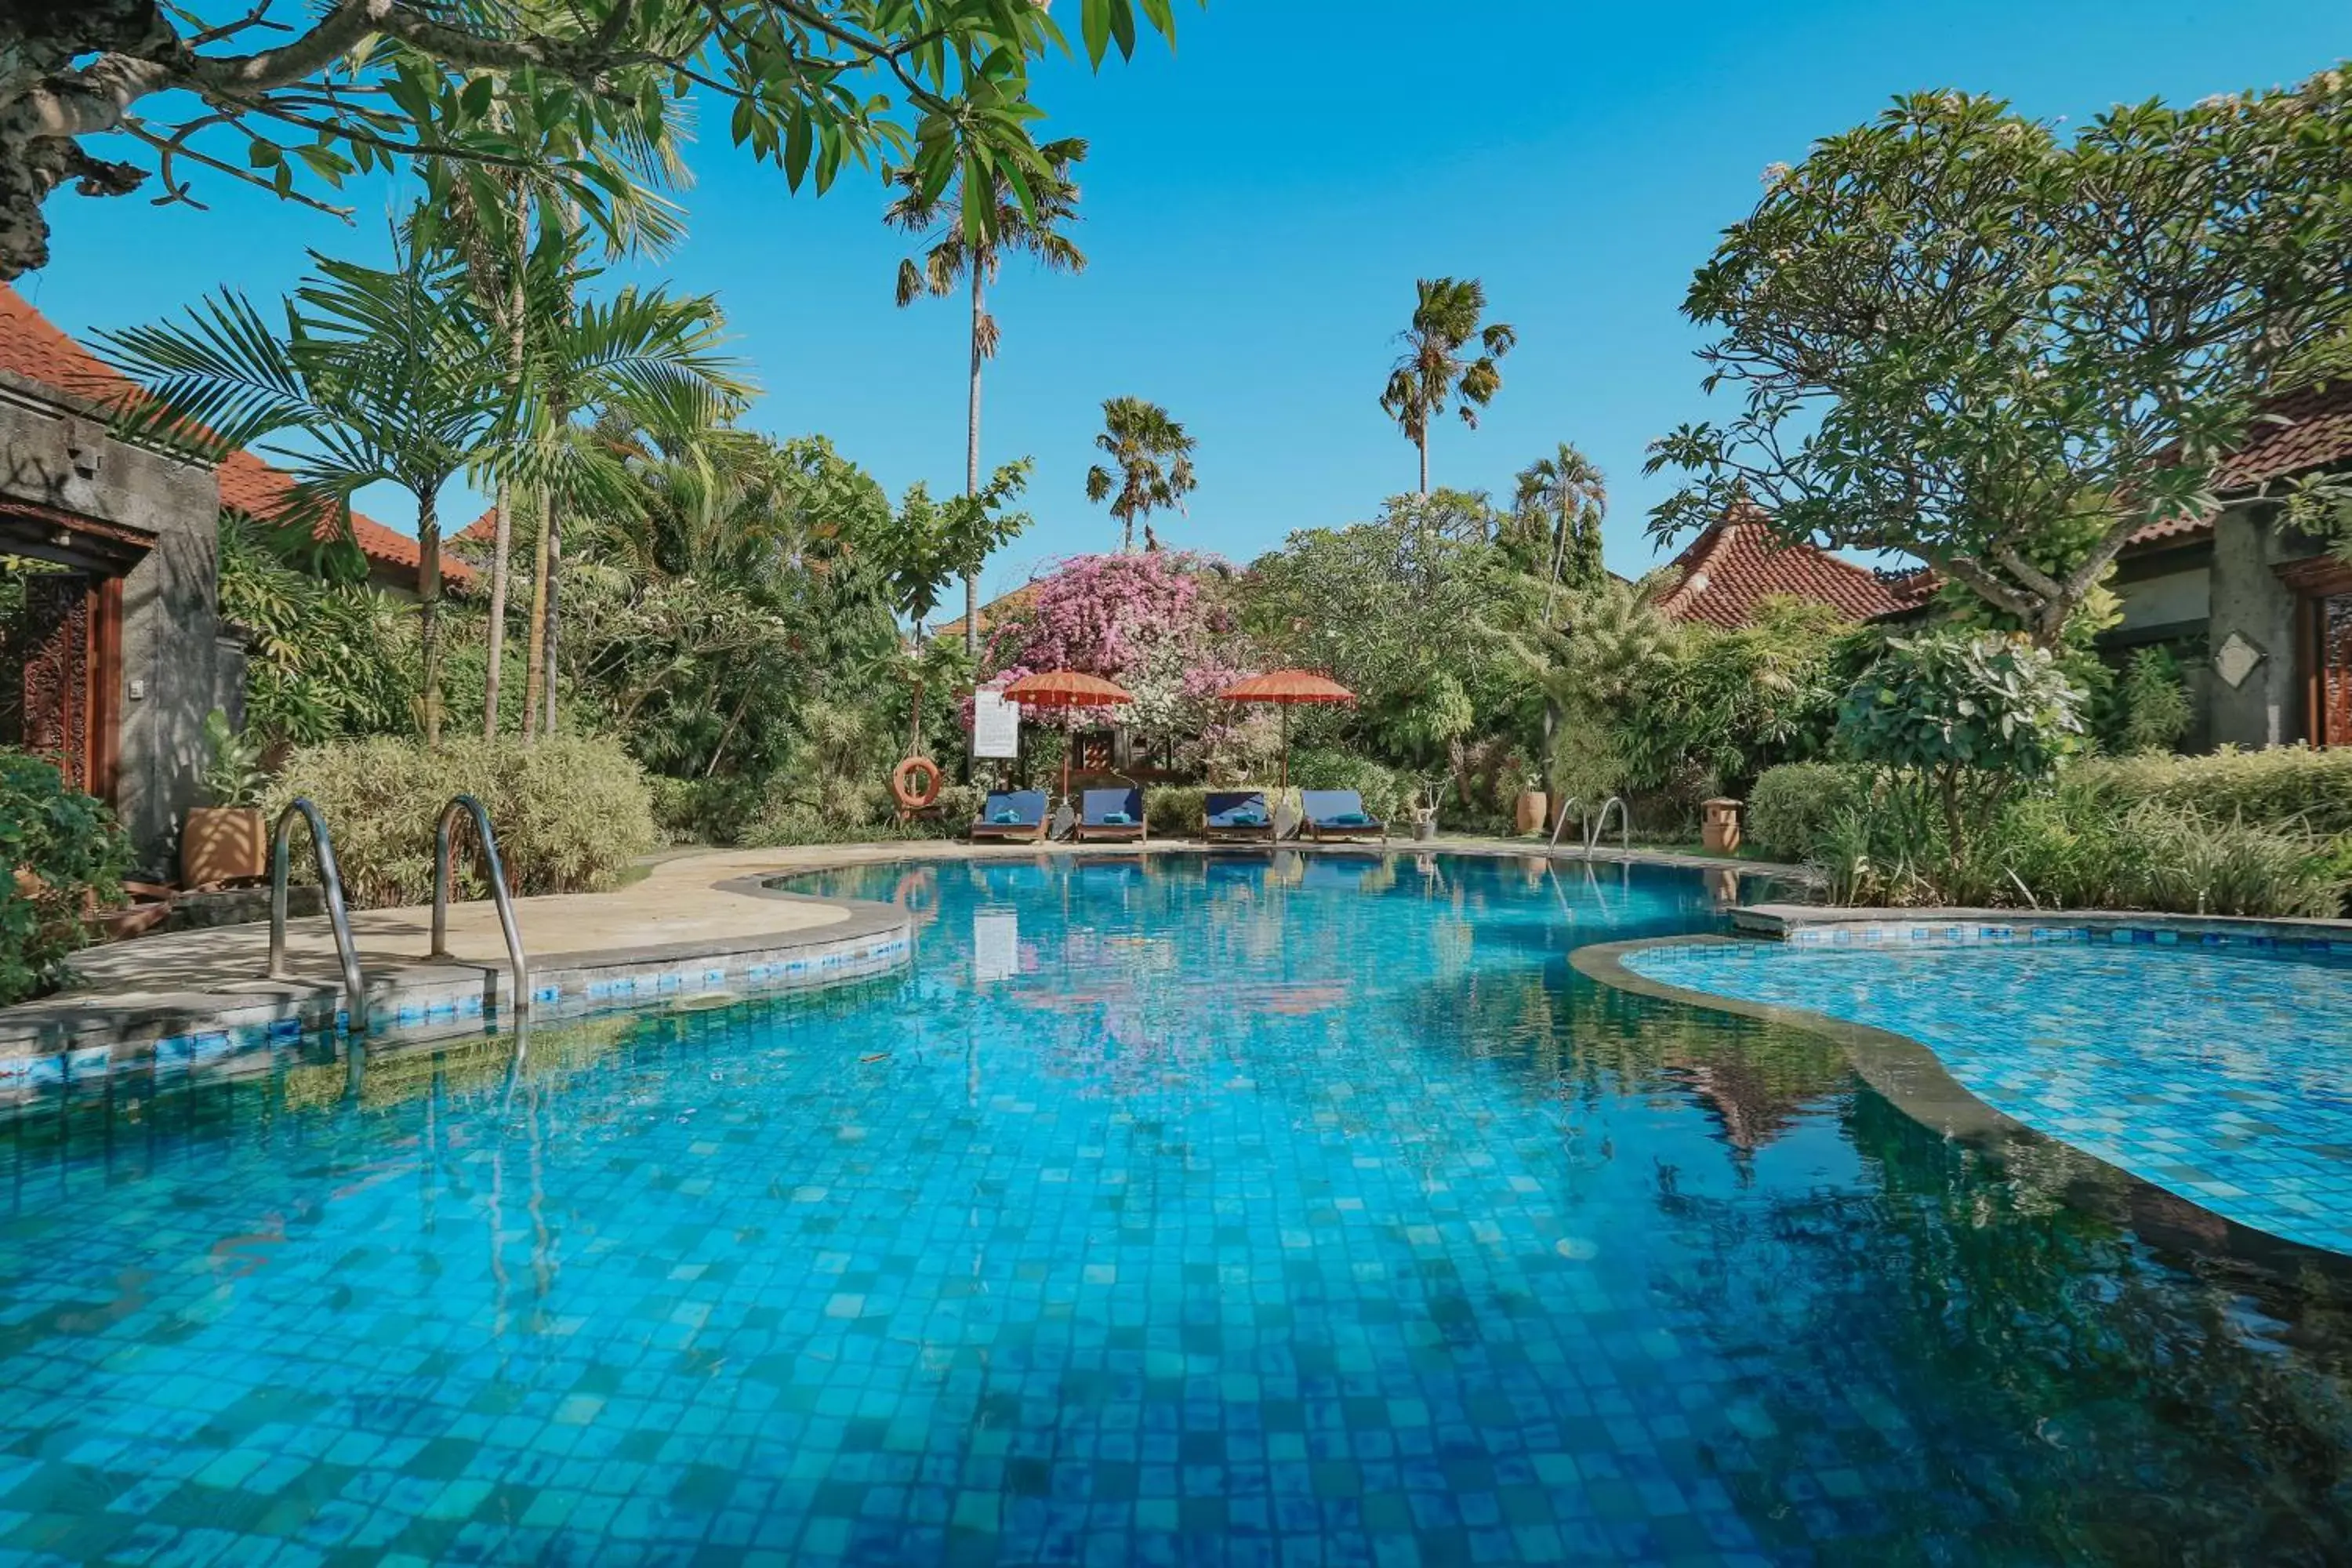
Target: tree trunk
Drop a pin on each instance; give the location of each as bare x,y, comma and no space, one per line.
915,723
971,470
1421,441
535,634
554,616
428,612
502,539
502,535
1127,533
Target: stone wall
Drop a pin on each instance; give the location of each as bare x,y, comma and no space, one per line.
2251,633
58,454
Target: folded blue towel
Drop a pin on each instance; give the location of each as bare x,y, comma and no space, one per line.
1006,819
1251,818
1349,819
1117,819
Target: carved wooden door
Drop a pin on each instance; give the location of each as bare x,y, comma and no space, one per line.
53,716
2335,616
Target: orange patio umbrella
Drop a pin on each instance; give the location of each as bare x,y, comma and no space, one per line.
1065,690
1286,687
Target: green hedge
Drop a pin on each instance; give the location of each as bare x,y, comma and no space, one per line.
58,848
571,812
2280,785
1792,807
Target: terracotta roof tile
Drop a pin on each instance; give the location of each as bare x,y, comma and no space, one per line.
994,611
32,346
1737,563
2302,430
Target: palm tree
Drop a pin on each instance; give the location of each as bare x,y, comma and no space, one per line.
382,370
645,356
1432,371
486,218
1136,436
1559,508
950,256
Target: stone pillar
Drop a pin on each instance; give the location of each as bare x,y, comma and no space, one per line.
2255,699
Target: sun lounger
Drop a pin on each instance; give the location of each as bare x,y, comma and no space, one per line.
1011,817
1110,816
1337,814
1236,816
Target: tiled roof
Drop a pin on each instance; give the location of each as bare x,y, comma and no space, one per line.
994,611
32,346
1737,563
483,529
2300,431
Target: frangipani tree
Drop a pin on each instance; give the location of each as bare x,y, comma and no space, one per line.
104,96
1957,333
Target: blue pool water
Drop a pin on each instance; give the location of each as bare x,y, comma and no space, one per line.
2224,1076
1246,1211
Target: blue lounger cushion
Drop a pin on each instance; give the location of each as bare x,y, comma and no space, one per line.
1014,808
1111,807
1236,808
1336,808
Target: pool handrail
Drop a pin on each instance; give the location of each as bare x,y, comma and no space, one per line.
1571,804
331,884
494,872
1599,825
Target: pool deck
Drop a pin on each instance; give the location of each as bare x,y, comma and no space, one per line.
1808,924
699,921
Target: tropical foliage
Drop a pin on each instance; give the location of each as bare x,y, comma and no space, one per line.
297,98
1452,359
66,854
1956,333
1025,220
1150,466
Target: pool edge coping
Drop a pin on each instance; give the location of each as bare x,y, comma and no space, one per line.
1908,1075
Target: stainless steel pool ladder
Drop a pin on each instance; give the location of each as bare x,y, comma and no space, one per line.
331,884
493,872
1600,825
1582,822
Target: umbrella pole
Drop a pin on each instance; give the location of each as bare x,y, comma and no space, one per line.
1285,785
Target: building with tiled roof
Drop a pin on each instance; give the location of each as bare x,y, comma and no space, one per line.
32,346
993,612
1737,563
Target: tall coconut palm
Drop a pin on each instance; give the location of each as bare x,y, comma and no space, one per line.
1559,505
950,258
1150,463
381,370
1434,370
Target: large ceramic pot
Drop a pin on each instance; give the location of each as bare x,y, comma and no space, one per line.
221,844
1533,813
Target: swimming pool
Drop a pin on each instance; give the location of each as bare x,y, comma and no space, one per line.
1240,1209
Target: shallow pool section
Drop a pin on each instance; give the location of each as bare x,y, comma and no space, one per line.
2224,1076
1253,1210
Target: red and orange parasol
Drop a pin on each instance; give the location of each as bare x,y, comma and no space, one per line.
1065,690
1288,687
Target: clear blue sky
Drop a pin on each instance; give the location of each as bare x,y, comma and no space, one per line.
1257,207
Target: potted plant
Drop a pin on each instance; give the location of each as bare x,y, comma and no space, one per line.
1425,817
1532,813
223,841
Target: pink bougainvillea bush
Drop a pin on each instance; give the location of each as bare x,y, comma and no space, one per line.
1157,621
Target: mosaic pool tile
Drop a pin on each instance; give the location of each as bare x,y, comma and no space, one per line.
1198,1213
2219,1072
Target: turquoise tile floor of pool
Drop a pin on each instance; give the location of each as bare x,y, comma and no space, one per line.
2222,1075
1243,1211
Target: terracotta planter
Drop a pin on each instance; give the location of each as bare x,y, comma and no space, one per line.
1424,828
1719,826
223,844
1532,814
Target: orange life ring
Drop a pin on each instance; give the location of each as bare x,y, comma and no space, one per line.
908,798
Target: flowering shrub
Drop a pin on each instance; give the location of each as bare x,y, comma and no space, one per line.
1155,622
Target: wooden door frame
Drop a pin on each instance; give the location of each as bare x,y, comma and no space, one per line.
2313,582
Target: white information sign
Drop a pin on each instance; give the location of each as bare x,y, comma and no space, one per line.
995,725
